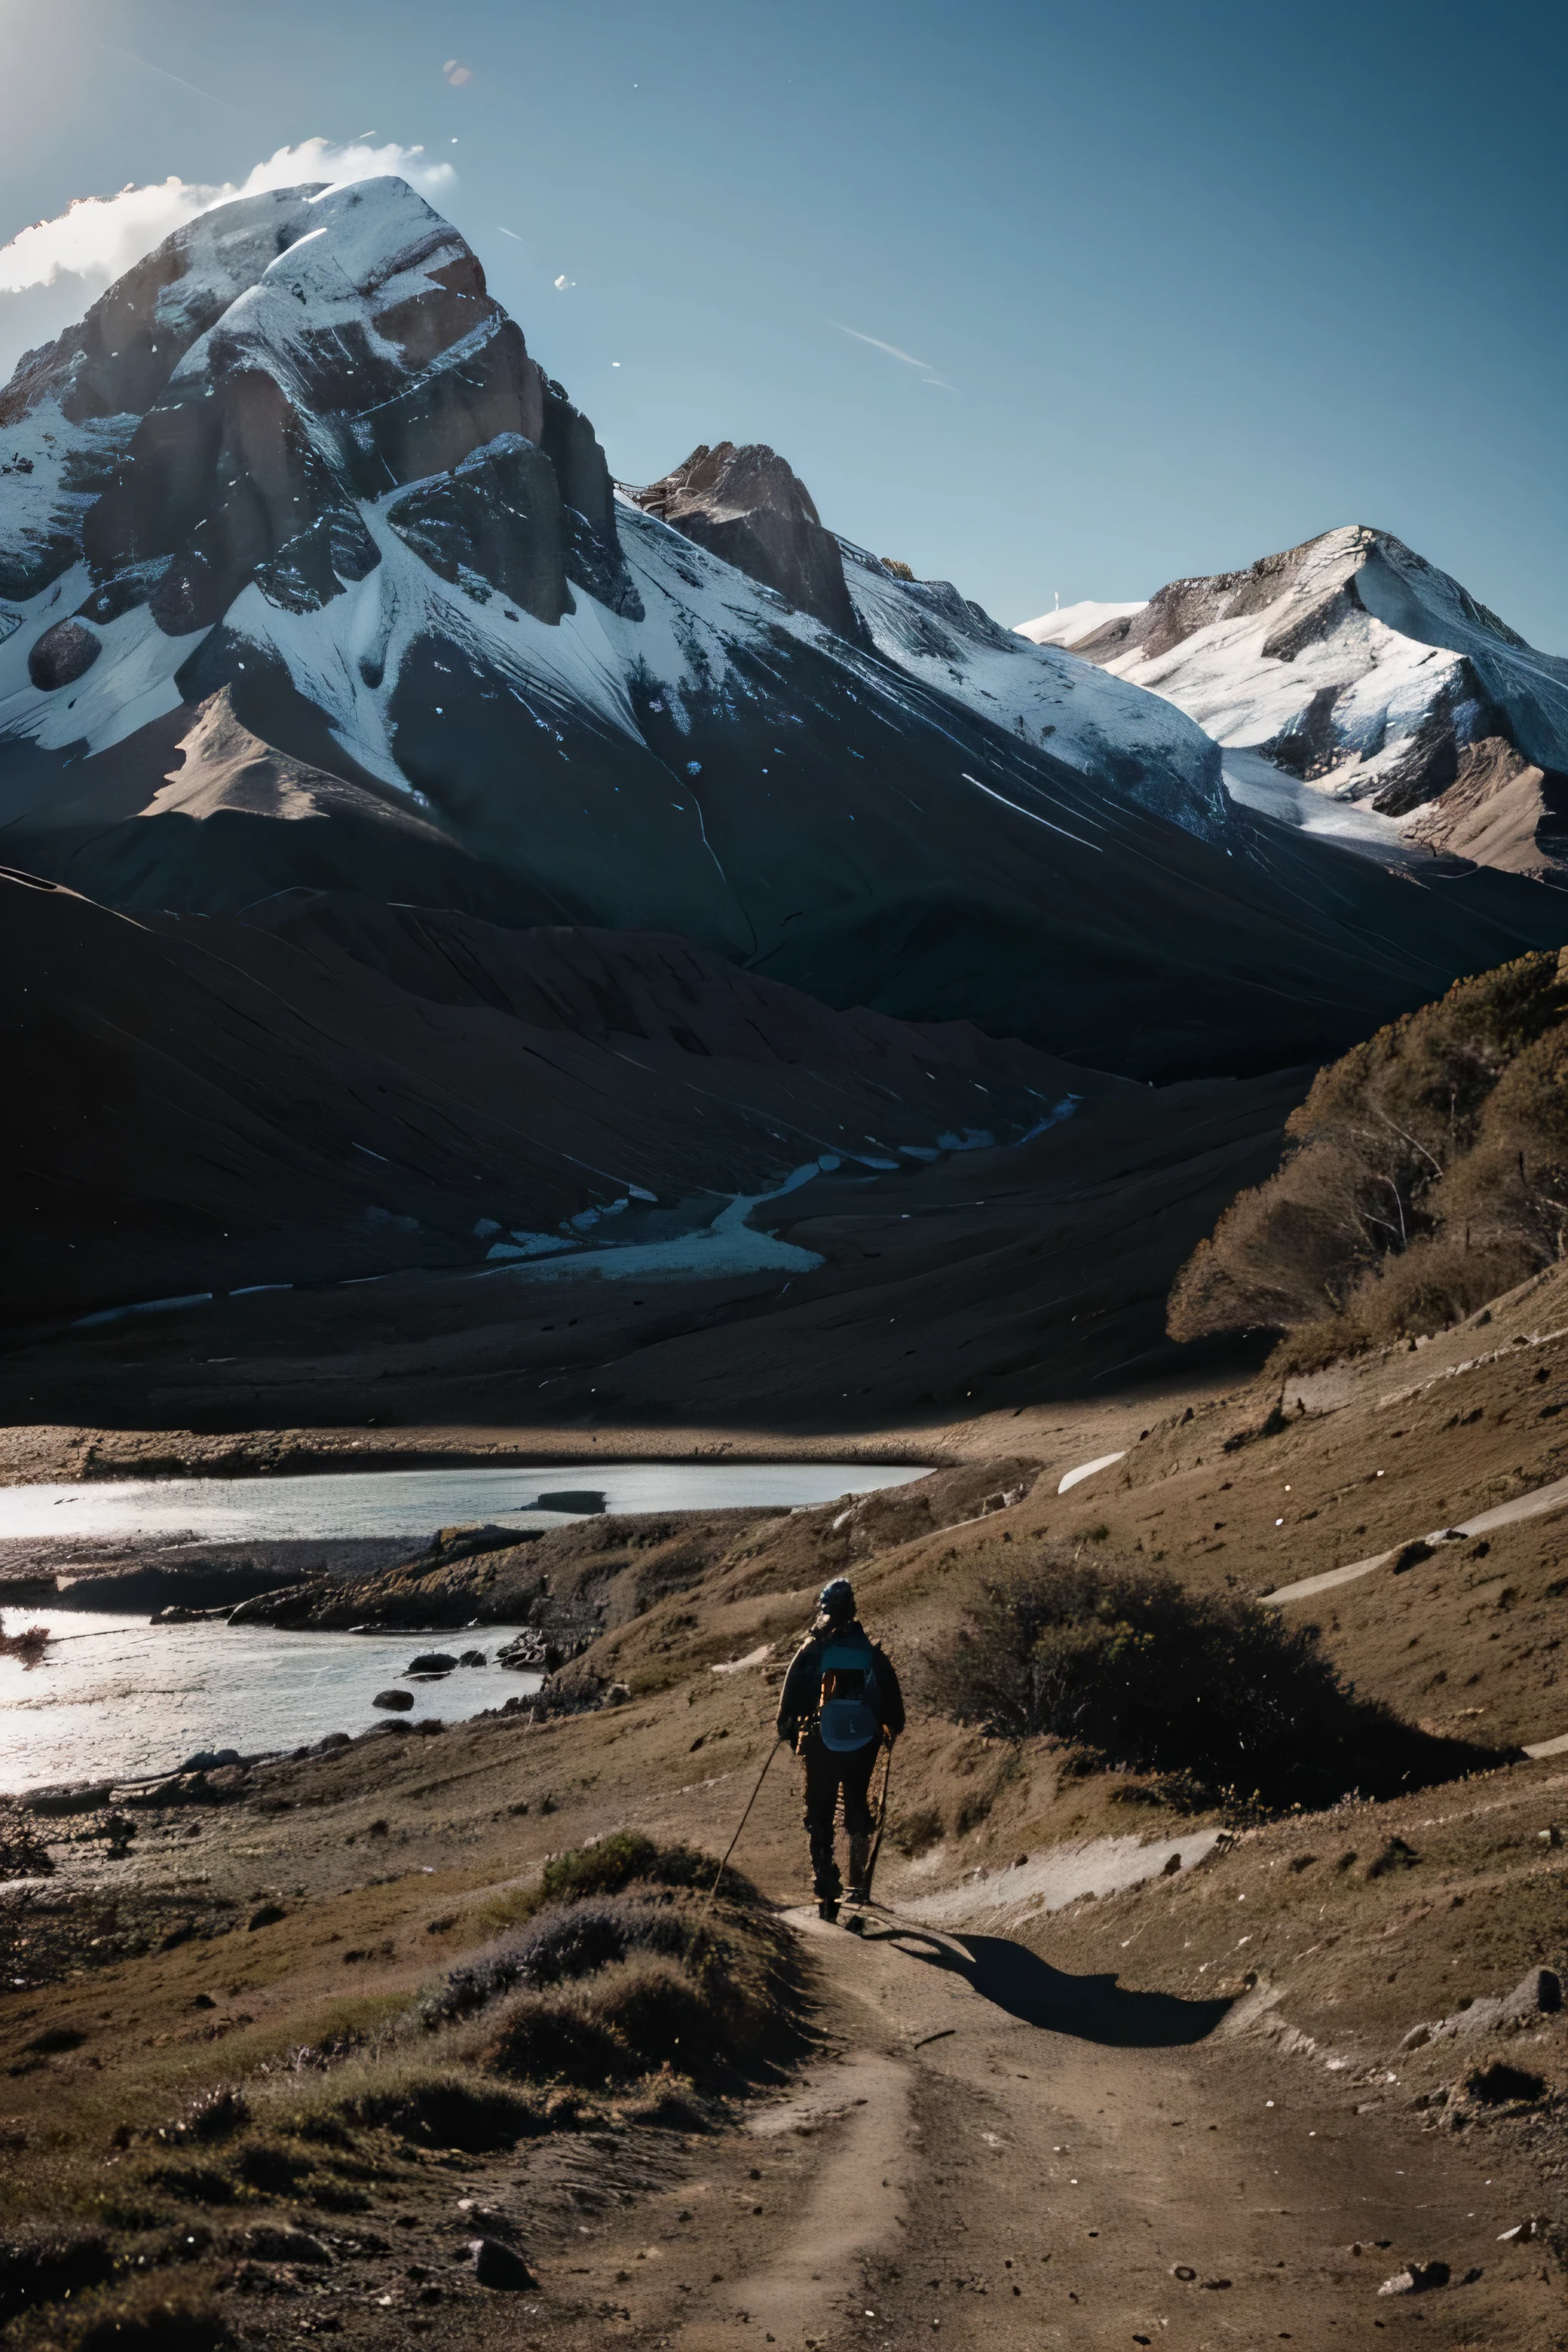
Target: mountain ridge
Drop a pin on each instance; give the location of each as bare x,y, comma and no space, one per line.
351,603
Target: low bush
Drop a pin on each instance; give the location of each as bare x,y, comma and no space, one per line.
629,2020
216,2114
450,2108
39,2270
150,2319
1217,1692
569,1940
624,1859
156,2322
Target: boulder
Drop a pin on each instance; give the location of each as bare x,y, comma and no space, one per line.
62,655
1538,1994
399,1700
431,1661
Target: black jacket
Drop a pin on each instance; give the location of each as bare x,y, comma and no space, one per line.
803,1684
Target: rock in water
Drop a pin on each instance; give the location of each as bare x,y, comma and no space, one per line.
430,1662
399,1700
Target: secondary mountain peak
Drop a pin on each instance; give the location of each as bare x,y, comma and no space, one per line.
749,506
1352,665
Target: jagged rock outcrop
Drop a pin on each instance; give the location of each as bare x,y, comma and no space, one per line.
747,506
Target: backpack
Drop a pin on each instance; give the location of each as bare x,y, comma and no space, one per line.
848,1716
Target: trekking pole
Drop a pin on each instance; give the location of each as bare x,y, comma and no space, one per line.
881,1821
734,1841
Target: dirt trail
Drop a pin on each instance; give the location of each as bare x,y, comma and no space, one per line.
850,2211
1002,2156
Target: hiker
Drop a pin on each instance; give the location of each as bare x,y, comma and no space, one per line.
841,1705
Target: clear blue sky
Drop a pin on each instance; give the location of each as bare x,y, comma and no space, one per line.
1196,282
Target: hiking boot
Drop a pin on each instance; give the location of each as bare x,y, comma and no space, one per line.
828,1908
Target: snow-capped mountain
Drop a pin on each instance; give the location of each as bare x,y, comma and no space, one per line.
1357,669
1070,624
310,577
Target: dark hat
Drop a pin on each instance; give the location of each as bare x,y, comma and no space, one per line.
837,1600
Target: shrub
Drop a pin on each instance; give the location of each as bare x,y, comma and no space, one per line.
570,1940
153,2320
216,2114
1212,1690
629,2021
625,1857
449,2109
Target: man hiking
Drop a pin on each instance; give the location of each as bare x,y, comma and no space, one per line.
841,1702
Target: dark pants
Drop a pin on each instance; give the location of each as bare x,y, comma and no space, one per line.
826,1775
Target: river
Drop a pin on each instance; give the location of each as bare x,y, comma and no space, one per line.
115,1695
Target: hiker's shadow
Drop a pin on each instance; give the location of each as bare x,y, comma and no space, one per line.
1096,2009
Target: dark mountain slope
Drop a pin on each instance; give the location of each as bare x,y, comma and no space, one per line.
335,1087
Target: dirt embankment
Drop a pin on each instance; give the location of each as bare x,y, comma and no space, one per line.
1063,2091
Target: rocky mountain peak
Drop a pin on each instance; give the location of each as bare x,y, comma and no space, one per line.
226,411
749,506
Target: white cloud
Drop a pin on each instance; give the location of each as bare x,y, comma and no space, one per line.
97,237
564,283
